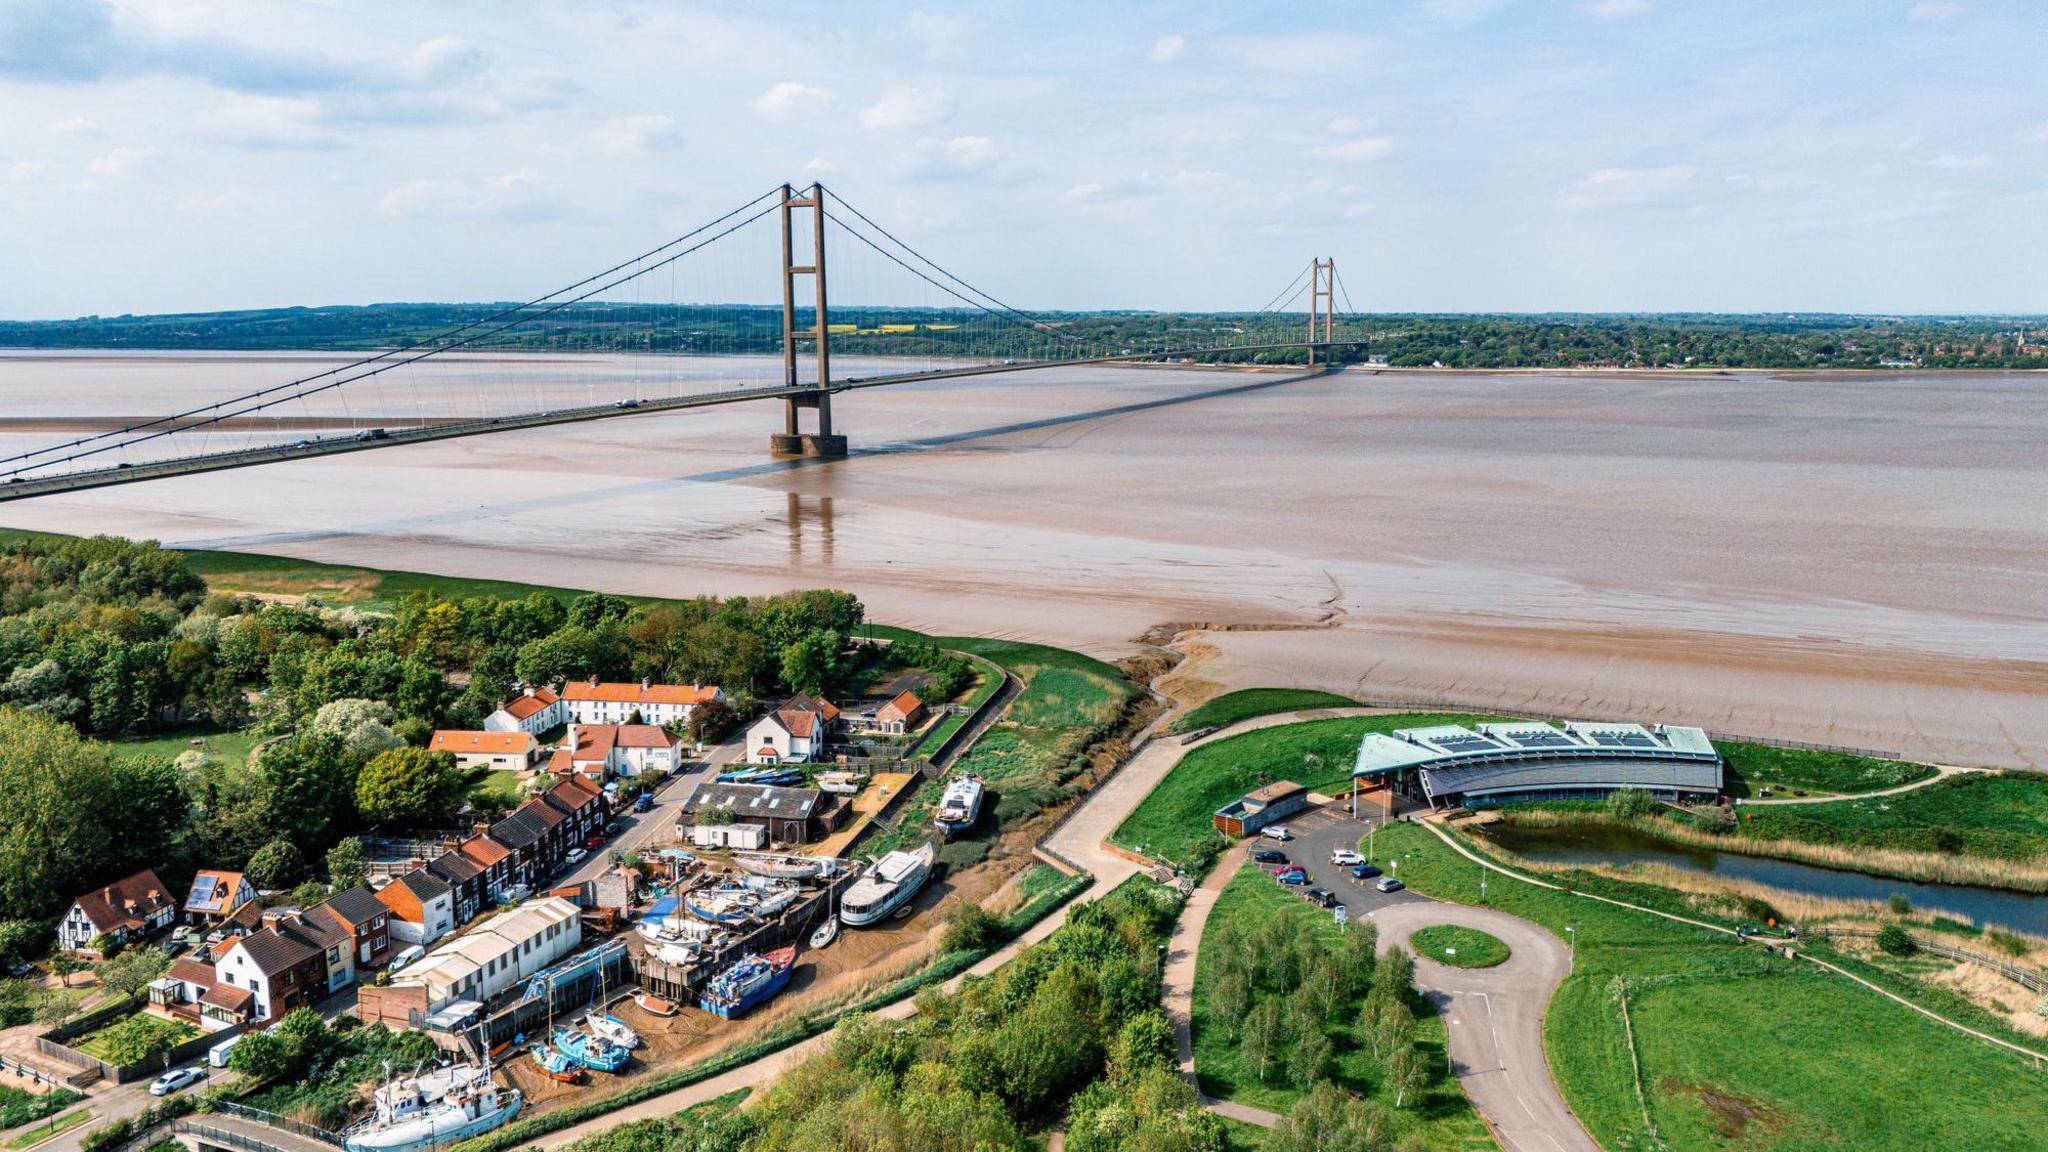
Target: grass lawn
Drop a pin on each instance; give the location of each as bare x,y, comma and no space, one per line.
496,789
1982,814
1460,947
133,1038
1751,766
1440,1115
41,1132
1173,822
1741,1048
229,746
1244,704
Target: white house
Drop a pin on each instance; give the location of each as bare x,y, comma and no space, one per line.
284,966
602,751
130,908
794,733
422,906
534,710
594,702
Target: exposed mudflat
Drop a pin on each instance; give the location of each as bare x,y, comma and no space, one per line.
1851,558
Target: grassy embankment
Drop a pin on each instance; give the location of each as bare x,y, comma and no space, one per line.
1251,904
1752,767
1460,947
1739,1047
1173,822
667,1131
30,1137
1988,829
1029,758
1248,703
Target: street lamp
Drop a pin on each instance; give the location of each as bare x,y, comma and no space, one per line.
1574,934
1482,884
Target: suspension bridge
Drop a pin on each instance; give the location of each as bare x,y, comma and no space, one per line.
692,323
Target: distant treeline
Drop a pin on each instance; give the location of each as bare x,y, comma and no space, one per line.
1551,340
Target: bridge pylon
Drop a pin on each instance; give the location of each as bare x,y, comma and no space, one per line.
1322,307
792,441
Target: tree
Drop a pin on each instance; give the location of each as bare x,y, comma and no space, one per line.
1896,941
1630,804
1388,1026
409,788
969,926
1262,1035
363,725
263,1055
1326,1120
709,721
1309,1060
1230,999
1355,954
1406,1072
346,864
277,864
132,971
811,662
309,783
1145,1042
64,964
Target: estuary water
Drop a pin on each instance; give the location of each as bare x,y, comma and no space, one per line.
1857,559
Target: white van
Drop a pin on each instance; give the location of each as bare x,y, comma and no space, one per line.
217,1056
406,957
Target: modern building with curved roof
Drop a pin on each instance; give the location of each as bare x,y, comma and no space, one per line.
1451,765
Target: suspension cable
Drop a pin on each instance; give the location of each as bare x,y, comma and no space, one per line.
1284,292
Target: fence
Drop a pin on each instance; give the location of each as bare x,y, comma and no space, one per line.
272,1119
2027,978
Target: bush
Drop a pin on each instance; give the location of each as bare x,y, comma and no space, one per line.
1630,804
18,1107
970,926
277,864
1896,941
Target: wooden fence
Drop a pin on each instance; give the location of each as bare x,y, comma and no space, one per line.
2028,978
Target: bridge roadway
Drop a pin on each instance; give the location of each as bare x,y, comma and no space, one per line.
28,487
209,1130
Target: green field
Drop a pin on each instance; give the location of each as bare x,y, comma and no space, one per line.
496,789
1982,814
1752,766
1251,902
1460,947
228,746
1741,1049
1232,707
1173,822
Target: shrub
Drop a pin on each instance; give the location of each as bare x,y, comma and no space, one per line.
1896,941
970,926
1630,804
277,864
1898,903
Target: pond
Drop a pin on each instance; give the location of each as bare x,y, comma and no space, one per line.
1594,844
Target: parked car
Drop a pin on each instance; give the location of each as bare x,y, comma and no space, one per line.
643,802
1389,884
1365,872
1270,856
1344,856
596,840
1290,875
1277,832
1321,897
175,1079
576,856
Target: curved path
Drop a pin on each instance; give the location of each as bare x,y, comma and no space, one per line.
1941,772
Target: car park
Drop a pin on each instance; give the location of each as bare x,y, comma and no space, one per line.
1365,872
1321,897
1345,856
1389,884
175,1079
1270,856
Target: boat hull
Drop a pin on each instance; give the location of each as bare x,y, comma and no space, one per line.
760,994
430,1132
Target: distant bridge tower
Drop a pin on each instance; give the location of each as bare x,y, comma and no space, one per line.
1322,306
790,441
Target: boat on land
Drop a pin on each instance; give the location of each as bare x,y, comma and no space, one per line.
590,1051
556,1066
610,1027
887,886
747,898
841,783
433,1110
777,866
756,978
772,776
960,805
654,1005
826,933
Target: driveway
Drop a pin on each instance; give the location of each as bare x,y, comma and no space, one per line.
655,828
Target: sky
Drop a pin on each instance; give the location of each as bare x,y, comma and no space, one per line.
1451,155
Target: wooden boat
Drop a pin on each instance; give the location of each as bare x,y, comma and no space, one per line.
754,980
590,1051
556,1066
654,1005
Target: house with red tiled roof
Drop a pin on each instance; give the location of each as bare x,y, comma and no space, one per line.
601,751
535,710
901,714
189,990
794,732
595,702
215,894
130,908
492,751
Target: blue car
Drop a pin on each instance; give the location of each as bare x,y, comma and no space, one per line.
1364,872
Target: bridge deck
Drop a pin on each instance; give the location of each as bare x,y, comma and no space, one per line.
220,1130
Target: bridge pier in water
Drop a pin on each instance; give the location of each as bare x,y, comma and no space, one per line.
792,441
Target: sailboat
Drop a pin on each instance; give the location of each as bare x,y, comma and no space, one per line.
610,1027
590,1051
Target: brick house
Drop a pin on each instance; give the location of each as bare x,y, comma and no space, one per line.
901,714
465,881
283,966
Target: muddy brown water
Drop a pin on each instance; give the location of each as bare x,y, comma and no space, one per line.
1857,559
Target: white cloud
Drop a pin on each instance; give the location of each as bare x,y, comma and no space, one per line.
1299,53
819,164
269,122
632,135
1956,161
1459,11
971,153
1619,187
119,162
955,158
27,169
1082,194
791,99
1614,9
1935,11
1361,148
1169,48
904,106
1346,126
446,59
515,195
72,125
1354,211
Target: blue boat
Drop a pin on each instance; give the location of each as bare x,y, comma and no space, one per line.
756,978
556,1066
590,1051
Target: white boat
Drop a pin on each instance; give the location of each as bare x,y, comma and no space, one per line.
776,866
888,885
434,1110
960,805
841,783
826,933
612,1028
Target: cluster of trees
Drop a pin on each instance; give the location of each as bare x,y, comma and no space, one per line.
1458,340
1286,997
316,1070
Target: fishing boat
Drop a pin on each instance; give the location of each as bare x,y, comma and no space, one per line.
960,805
556,1066
590,1051
888,885
756,978
775,866
610,1027
654,1005
434,1110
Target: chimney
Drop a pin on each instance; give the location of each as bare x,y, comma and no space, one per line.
593,680
527,689
646,682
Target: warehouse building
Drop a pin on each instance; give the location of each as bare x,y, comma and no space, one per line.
1450,765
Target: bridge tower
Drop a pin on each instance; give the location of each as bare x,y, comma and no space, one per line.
791,441
1322,306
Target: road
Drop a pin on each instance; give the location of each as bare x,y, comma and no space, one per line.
655,828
